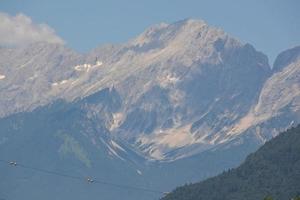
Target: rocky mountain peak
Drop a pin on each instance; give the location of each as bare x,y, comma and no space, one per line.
184,35
286,57
178,84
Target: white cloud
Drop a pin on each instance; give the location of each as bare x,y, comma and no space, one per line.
20,30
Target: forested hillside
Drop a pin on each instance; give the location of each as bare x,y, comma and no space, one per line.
272,171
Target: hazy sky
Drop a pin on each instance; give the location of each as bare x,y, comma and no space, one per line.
270,25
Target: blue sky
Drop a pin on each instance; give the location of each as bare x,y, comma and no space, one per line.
270,25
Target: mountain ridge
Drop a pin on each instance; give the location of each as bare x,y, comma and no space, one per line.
192,74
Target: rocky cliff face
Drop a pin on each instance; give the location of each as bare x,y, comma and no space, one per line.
182,85
278,106
29,75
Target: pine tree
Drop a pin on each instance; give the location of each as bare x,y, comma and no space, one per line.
268,198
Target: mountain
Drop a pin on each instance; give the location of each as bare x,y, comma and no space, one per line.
273,170
179,103
181,84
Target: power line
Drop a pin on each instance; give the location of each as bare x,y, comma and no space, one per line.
87,179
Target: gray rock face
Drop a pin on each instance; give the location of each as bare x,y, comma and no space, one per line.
180,84
28,74
278,106
285,58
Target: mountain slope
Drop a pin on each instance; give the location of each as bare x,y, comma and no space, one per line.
278,105
183,86
28,74
272,170
74,138
68,138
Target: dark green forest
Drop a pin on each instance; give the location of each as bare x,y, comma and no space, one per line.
271,173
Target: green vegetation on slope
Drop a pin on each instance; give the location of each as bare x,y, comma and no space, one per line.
72,146
272,171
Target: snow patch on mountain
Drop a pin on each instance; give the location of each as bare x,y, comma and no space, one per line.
87,67
33,77
116,121
139,172
168,79
117,146
60,83
112,150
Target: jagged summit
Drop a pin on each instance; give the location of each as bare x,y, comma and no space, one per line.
286,57
182,33
184,86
